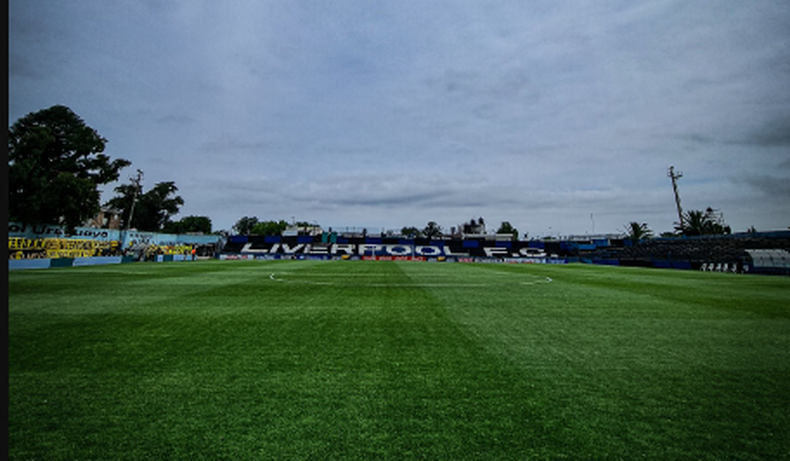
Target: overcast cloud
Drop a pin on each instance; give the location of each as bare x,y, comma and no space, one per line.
559,117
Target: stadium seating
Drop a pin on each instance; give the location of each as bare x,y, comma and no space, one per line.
762,251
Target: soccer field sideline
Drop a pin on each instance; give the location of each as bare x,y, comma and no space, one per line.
394,360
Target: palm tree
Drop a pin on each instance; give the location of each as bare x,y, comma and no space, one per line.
693,223
698,222
635,231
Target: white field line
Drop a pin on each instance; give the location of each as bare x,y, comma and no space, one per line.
278,278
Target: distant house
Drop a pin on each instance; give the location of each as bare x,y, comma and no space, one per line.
302,229
106,218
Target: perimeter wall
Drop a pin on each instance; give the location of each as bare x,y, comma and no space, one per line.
726,253
377,248
50,246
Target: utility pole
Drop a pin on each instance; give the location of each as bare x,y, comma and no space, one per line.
136,181
675,176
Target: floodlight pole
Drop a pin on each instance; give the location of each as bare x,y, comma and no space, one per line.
675,176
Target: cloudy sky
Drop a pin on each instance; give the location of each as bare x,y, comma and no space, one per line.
559,117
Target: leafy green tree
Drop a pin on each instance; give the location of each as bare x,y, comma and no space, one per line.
55,165
507,228
152,210
126,198
410,232
245,225
155,207
432,230
189,224
635,231
269,228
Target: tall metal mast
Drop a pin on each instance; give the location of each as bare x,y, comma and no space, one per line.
136,182
675,176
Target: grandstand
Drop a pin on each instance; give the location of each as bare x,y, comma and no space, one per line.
754,252
50,246
767,252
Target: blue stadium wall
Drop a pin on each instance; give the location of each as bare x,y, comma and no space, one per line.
724,253
338,247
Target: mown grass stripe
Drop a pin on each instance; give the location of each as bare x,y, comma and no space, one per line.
212,360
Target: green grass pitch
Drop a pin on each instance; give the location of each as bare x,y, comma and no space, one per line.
247,360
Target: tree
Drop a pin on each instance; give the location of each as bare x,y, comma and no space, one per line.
698,222
155,207
693,223
635,231
432,230
269,228
507,228
189,224
152,210
410,232
55,165
245,225
126,199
